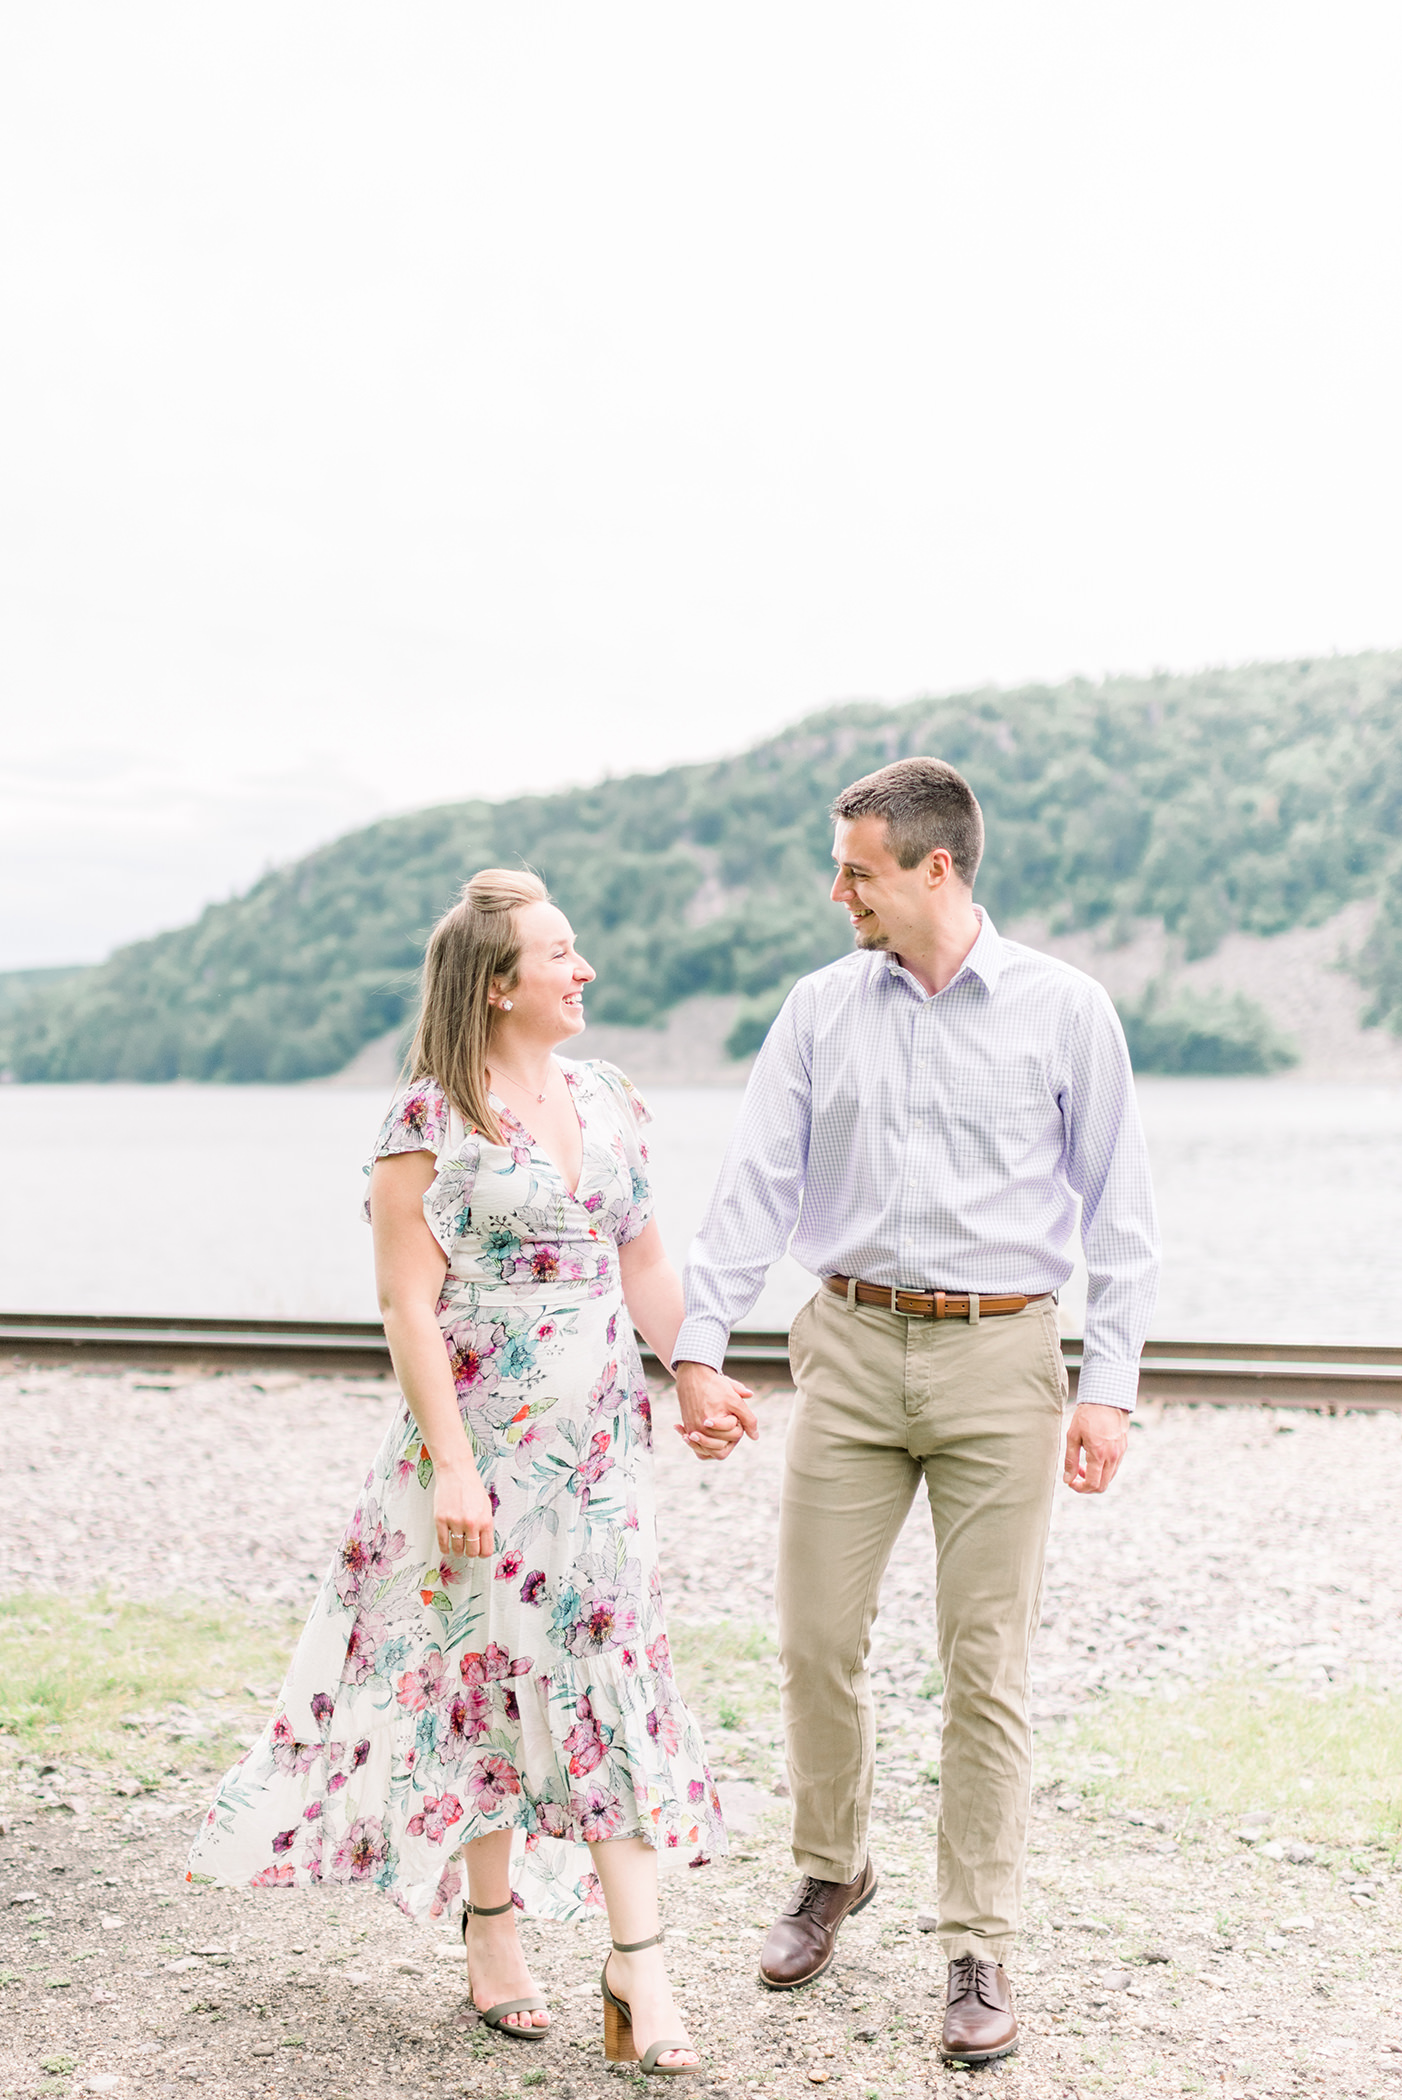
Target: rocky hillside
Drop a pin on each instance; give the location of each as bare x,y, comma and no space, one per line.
1183,811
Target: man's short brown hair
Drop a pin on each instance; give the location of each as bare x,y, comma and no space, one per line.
927,805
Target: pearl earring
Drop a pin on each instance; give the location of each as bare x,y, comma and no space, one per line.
506,1006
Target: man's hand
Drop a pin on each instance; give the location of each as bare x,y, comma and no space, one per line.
715,1410
1096,1440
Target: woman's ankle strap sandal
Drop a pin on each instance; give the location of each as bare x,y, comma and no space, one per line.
619,2046
496,2015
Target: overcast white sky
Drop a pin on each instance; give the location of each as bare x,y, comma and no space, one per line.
407,403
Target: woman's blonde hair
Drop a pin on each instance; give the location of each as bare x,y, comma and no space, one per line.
474,946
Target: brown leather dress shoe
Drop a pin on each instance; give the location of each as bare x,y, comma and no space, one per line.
979,2021
800,1942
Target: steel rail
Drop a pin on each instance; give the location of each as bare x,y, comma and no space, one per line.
1334,1377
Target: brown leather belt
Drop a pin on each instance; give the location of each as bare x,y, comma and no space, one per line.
927,1305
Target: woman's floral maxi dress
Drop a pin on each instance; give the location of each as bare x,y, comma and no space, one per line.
431,1701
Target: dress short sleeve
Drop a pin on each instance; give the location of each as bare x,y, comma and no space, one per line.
631,1118
421,1120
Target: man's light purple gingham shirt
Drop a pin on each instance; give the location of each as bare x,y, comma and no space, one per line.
940,1143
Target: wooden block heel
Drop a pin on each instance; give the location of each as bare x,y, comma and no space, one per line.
619,2046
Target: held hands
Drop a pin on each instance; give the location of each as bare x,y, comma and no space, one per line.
1096,1441
715,1410
462,1513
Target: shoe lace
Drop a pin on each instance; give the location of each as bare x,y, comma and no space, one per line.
807,1894
963,1975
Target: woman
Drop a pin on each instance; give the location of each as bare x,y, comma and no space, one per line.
484,1686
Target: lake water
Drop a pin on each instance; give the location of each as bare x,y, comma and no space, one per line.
1281,1203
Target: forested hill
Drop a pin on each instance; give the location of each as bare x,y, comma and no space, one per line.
1256,798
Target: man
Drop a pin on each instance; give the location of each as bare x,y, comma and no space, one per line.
936,1103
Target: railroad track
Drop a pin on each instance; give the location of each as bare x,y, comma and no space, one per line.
1269,1374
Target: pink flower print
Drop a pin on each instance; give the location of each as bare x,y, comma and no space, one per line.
362,1648
336,1782
592,1467
491,1781
591,1204
591,1892
363,1848
508,1567
584,1746
628,1659
335,1752
435,1818
611,1330
426,1685
546,1331
493,1666
555,1818
274,1878
472,1352
598,1814
368,1553
362,1751
418,1114
285,1840
310,1814
605,1620
288,1754
449,1882
663,1729
509,1705
533,1588
695,1791
659,1654
323,1706
466,1720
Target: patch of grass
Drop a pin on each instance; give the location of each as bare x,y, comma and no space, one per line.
71,1667
729,1672
1326,1766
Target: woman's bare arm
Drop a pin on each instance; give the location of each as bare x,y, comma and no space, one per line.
652,1292
409,1270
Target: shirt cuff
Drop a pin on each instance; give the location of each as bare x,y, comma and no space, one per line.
1104,1383
701,1340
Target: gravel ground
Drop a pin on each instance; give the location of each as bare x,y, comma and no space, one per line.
1158,1960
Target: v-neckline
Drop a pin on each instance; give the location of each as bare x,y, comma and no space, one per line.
502,1108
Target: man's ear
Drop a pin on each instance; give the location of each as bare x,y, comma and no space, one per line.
938,868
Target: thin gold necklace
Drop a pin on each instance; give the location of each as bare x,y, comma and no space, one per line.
502,1073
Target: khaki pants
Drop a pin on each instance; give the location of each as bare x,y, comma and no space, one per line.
978,1409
